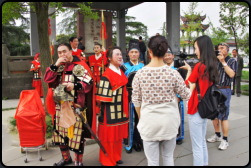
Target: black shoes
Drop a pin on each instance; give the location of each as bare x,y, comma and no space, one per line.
179,142
129,151
137,147
119,162
63,162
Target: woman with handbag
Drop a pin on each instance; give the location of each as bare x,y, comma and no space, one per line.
206,74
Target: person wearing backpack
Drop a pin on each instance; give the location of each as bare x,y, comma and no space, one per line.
206,74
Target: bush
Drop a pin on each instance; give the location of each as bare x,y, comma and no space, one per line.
49,126
13,121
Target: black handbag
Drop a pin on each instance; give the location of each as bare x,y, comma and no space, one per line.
213,102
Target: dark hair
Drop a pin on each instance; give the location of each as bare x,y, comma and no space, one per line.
97,44
207,57
216,47
72,38
235,50
82,47
110,51
140,37
80,38
65,44
158,44
157,33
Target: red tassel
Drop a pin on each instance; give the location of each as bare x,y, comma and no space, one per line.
103,25
50,104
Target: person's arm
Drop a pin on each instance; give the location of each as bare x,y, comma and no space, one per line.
180,87
136,94
228,70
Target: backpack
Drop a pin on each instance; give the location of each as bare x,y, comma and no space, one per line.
213,102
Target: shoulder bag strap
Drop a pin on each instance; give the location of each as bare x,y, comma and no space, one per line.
198,90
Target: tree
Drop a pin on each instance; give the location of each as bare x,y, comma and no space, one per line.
133,30
217,35
16,9
15,37
69,24
233,17
194,24
244,43
163,30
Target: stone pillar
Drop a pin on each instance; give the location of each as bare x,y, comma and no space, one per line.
173,25
91,31
5,53
34,42
53,26
120,25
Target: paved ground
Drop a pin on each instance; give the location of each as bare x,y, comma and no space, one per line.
237,153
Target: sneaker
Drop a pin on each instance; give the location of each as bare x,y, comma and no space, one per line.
214,138
223,145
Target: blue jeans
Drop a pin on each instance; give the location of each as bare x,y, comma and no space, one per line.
228,93
198,129
142,57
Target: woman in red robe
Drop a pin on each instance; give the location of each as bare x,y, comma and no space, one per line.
35,68
113,117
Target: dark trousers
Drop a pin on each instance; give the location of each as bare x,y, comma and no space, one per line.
136,135
142,57
238,84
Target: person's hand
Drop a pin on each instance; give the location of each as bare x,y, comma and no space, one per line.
221,58
38,66
69,87
103,48
60,60
186,67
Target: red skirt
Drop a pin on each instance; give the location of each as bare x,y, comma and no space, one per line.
37,84
112,133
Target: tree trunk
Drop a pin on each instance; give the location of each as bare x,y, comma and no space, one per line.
235,37
43,35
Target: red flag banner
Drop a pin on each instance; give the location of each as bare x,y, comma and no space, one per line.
103,26
49,22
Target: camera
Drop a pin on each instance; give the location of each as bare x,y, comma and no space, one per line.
217,52
181,57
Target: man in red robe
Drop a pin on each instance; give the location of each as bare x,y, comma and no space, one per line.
35,68
75,74
74,45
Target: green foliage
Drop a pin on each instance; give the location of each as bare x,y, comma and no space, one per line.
13,10
217,35
5,98
233,17
12,121
245,75
243,42
69,24
49,126
17,49
62,38
133,30
193,24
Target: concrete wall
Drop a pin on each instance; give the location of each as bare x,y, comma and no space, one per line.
16,75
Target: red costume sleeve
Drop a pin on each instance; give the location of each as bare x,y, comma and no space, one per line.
49,76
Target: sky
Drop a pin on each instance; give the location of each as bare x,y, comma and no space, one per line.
153,14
